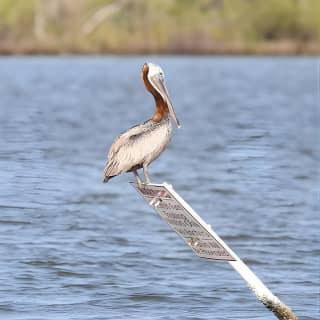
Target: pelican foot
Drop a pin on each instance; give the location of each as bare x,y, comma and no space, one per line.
139,181
146,174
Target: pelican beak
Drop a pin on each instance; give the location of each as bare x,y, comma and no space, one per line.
159,84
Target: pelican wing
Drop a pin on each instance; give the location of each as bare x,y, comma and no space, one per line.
126,151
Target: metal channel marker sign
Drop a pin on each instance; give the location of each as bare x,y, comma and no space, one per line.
184,221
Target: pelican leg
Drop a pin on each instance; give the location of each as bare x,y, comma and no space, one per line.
145,172
138,178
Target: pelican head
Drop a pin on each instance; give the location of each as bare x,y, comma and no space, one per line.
156,79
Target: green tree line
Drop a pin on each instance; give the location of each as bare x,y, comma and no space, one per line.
160,26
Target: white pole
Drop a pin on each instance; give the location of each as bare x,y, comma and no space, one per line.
190,226
264,295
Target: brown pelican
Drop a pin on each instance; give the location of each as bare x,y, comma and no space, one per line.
137,147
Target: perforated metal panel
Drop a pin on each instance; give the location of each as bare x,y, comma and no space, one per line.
184,221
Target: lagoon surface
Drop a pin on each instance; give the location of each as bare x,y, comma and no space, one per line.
246,159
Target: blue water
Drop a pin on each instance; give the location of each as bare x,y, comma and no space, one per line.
246,158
